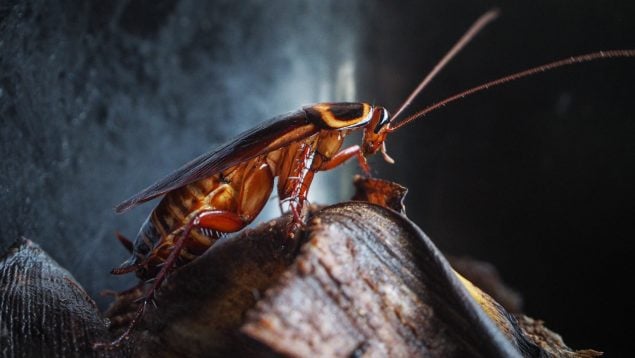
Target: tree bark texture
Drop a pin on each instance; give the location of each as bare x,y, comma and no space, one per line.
360,281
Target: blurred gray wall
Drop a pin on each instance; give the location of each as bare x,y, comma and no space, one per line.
100,99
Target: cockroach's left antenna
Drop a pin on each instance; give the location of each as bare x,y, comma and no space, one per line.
478,25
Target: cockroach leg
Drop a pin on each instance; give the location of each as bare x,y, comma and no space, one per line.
220,220
126,269
113,293
126,335
344,155
125,242
296,210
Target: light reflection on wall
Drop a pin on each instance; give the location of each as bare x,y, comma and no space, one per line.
335,185
128,91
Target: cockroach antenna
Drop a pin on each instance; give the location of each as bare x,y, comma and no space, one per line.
609,54
464,40
478,25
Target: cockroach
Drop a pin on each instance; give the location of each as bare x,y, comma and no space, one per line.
222,191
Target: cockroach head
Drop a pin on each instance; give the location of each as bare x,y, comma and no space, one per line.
375,133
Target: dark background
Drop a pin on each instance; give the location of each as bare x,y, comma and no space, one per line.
99,99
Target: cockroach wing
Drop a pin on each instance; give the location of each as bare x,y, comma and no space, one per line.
266,137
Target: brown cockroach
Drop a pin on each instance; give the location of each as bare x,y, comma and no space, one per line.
223,190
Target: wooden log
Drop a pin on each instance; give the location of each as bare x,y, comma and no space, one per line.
365,282
44,312
361,280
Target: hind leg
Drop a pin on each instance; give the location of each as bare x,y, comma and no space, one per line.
219,220
127,266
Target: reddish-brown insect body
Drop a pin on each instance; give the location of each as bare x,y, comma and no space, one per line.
201,209
222,191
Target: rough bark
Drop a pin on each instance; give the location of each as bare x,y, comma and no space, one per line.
361,280
44,312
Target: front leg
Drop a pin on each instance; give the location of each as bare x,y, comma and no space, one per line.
344,155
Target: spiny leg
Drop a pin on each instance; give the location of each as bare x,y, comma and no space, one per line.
341,157
301,188
298,198
219,220
117,295
305,177
129,265
301,192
